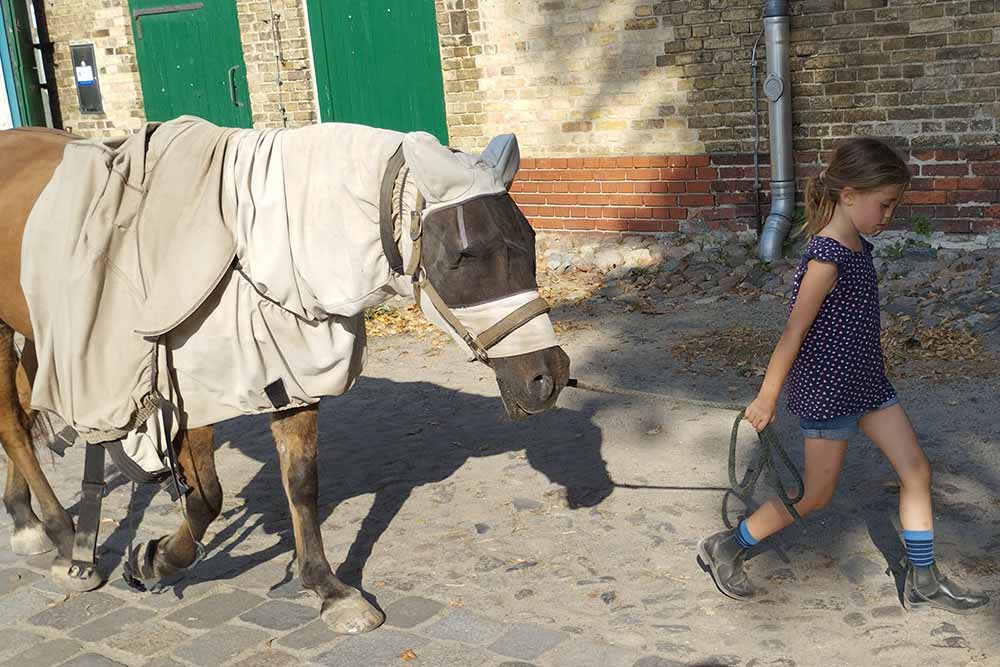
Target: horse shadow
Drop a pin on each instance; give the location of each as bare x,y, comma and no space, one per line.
387,438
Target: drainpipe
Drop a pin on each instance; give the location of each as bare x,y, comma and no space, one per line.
778,89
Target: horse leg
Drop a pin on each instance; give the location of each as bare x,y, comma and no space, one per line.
343,608
29,538
171,554
16,439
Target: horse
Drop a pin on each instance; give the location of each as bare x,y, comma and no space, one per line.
476,253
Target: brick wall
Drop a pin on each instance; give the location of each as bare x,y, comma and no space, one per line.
106,25
671,80
955,190
276,53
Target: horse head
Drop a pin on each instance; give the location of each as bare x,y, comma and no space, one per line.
471,255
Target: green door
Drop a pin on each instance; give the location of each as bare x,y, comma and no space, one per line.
24,67
378,63
191,61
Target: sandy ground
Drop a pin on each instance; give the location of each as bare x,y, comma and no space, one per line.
585,519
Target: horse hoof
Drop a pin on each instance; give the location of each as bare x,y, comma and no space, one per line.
351,616
73,584
146,564
31,541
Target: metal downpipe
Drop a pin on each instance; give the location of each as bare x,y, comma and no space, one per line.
778,89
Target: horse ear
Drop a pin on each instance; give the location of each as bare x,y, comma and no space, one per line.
504,156
440,174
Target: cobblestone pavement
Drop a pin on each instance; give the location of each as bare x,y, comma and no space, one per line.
566,540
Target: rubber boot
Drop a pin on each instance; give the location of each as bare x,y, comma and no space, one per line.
722,557
927,588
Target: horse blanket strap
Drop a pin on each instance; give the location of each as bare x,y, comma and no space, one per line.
442,308
385,211
512,322
89,521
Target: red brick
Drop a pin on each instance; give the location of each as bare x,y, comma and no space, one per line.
578,186
986,169
946,155
545,175
576,175
592,200
659,200
608,163
699,186
626,212
575,163
935,197
707,173
971,197
522,199
593,186
676,161
944,183
546,223
644,186
678,174
625,200
561,199
944,169
577,223
610,175
560,186
643,174
591,162
696,200
527,163
679,213
975,183
697,160
645,226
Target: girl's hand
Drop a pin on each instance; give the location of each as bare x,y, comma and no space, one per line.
760,413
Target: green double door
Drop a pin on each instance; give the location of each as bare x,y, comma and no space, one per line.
191,60
378,63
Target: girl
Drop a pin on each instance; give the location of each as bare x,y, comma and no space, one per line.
832,357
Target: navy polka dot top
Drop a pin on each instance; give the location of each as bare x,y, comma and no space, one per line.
839,371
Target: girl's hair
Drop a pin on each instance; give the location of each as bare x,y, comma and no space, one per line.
863,164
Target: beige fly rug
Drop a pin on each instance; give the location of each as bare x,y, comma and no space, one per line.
255,250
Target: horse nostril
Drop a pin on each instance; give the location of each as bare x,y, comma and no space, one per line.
543,385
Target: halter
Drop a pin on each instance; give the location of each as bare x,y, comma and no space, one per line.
478,345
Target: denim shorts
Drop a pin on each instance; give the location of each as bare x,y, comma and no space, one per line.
838,428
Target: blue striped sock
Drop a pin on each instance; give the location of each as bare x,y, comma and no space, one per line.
919,547
743,536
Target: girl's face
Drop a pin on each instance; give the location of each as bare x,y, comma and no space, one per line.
870,211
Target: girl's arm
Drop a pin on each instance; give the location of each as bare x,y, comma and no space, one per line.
819,280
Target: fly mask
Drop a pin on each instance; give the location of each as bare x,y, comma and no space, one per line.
471,252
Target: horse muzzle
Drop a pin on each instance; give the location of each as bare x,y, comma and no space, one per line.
530,383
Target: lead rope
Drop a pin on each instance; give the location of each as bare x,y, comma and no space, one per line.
770,448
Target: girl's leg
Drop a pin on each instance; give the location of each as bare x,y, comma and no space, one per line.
723,554
824,459
891,431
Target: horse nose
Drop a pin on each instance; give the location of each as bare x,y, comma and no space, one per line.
542,386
